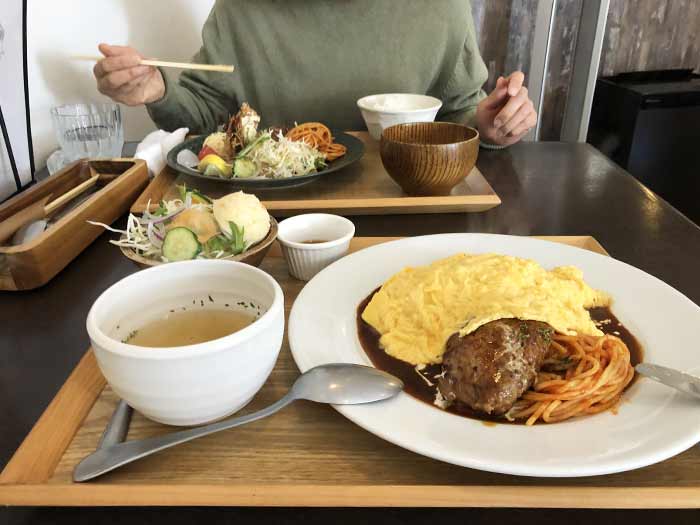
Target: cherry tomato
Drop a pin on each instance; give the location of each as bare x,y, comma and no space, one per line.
206,150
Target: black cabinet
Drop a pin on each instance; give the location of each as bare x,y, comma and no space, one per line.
649,123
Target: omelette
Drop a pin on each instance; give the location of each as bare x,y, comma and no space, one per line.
418,309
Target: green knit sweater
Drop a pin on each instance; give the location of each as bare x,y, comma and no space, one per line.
310,60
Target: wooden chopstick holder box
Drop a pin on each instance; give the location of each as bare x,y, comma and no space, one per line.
34,263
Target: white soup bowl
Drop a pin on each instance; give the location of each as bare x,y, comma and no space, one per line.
199,383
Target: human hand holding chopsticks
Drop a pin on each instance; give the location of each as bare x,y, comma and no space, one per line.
507,114
126,77
122,77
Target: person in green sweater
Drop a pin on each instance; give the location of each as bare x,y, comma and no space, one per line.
311,60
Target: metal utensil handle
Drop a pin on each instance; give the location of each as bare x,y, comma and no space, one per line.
106,459
674,378
118,426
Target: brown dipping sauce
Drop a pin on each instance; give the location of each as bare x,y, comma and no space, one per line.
418,388
313,241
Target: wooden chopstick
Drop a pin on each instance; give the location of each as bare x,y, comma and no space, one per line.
221,68
80,188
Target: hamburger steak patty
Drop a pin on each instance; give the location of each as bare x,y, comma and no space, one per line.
492,367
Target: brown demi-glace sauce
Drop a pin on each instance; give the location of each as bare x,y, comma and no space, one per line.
419,388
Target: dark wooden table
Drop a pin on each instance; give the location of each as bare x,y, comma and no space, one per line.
546,188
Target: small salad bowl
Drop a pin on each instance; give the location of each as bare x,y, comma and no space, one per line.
235,227
254,255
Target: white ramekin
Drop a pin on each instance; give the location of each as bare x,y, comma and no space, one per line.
306,260
188,385
382,111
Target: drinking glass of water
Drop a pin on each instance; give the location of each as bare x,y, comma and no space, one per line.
89,130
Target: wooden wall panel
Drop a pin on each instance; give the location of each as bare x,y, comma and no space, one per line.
644,35
505,29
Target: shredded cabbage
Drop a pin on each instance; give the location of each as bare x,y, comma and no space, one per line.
281,158
135,236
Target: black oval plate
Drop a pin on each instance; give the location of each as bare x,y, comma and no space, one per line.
355,150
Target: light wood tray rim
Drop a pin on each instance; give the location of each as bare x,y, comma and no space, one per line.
514,496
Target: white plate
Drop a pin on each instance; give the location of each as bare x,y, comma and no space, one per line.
653,423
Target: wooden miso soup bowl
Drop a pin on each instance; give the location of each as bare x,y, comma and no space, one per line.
429,158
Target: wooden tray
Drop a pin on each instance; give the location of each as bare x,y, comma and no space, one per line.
34,263
364,188
307,455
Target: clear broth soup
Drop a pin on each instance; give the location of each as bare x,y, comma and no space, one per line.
190,327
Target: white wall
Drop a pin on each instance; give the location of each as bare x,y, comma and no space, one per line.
12,99
57,29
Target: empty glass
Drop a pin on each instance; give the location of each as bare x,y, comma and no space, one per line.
89,130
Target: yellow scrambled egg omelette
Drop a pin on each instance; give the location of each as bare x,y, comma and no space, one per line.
419,308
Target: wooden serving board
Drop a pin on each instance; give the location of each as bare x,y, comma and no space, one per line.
35,262
306,455
363,188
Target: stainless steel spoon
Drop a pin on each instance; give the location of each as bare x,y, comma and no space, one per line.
337,384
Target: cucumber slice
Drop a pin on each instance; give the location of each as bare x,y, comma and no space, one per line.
243,168
180,244
199,198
